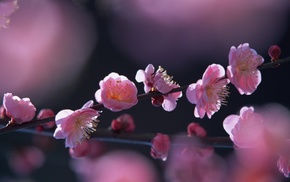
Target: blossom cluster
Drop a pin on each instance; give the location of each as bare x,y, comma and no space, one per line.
247,130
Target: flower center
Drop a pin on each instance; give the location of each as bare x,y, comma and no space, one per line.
86,127
217,93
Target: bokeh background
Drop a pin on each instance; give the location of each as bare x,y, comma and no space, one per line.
56,52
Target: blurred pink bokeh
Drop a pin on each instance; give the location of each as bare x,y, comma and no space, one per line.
165,31
116,166
44,48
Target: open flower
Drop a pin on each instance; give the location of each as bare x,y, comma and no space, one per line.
242,70
247,129
19,110
159,81
210,92
76,126
117,92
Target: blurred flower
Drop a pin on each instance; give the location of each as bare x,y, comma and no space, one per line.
80,150
20,110
160,146
115,166
87,148
159,81
7,7
190,161
247,129
30,52
210,92
24,161
117,92
76,126
194,129
189,32
242,70
125,122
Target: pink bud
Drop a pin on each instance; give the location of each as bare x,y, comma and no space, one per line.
194,129
274,52
125,122
46,113
157,100
160,146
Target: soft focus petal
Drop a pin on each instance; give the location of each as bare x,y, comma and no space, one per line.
247,129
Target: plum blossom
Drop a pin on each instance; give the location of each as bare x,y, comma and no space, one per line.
117,92
210,92
247,129
76,126
159,81
19,110
242,70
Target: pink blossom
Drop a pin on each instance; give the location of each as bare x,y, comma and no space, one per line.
210,92
159,81
160,146
76,126
242,70
117,92
20,110
125,122
247,129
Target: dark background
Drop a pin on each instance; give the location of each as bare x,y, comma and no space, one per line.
106,57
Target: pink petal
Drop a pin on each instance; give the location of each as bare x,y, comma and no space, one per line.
98,96
140,76
149,69
229,123
58,134
90,103
169,103
61,115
